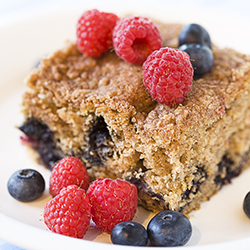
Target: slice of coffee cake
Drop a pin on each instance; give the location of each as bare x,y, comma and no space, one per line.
100,111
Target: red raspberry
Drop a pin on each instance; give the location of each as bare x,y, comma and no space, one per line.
68,213
68,171
135,38
94,32
168,75
112,202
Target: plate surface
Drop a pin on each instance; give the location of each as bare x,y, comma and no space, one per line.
219,224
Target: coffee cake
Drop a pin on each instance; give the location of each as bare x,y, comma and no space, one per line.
99,110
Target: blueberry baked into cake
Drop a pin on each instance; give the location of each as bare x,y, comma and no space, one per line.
98,109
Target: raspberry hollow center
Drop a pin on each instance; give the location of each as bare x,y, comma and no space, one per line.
141,46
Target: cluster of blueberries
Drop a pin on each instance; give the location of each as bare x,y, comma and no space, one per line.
167,228
195,40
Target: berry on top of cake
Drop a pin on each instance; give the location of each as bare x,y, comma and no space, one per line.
94,32
168,75
135,38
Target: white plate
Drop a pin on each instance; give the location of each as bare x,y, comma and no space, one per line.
219,224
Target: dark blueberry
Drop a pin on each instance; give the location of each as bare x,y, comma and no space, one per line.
169,228
246,205
40,138
26,185
201,57
194,33
129,233
226,172
36,131
100,145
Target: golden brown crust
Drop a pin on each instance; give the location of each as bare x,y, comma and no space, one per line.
174,154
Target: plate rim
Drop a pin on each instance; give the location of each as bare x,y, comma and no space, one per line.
18,225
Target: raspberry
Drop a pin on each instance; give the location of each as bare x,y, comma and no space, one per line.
68,213
94,32
112,201
68,171
168,75
135,38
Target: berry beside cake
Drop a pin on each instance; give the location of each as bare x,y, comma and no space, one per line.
176,126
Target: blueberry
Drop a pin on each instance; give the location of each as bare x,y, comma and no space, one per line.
194,33
26,185
129,233
169,228
246,205
41,139
36,131
201,57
